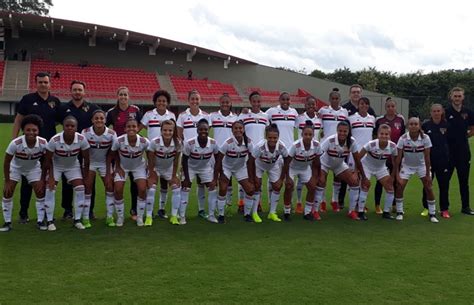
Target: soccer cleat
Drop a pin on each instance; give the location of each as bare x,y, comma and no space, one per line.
6,227
335,207
221,219
353,215
203,214
78,225
299,208
148,221
133,215
399,216
119,222
387,215
286,217
67,215
316,216
433,219
23,220
87,223
109,222
445,214
162,214
378,210
248,218
140,221
274,217
212,218
51,226
182,221
362,216
256,218
467,211
41,225
323,208
424,213
308,217
174,220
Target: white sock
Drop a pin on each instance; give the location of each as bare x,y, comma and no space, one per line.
49,203
248,204
399,203
201,193
274,198
431,207
318,198
175,201
7,207
221,205
229,195
299,190
119,207
241,193
388,201
163,198
256,199
141,206
87,206
150,200
109,203
184,202
212,198
40,211
353,196
308,207
336,187
78,201
362,200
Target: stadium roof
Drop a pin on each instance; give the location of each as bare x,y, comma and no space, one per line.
16,22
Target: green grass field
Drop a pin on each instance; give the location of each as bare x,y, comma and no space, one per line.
335,261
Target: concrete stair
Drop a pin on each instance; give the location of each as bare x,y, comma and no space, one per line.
16,78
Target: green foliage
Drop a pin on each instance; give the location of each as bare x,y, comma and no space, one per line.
36,7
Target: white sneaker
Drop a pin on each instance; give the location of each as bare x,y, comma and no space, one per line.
51,227
79,225
140,221
182,221
119,222
399,217
212,218
433,219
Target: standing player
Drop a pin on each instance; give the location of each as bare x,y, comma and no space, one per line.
22,158
197,162
62,159
331,116
235,160
152,122
267,159
100,139
397,129
163,162
129,159
187,129
305,165
414,156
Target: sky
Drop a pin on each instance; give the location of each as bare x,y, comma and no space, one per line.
399,36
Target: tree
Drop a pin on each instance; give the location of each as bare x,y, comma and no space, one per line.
368,79
318,74
35,7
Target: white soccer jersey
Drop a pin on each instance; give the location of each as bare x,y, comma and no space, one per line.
335,154
131,157
330,118
376,157
25,158
152,120
301,122
362,128
200,158
413,151
99,145
65,155
222,126
164,155
255,124
264,158
235,155
188,122
285,120
302,158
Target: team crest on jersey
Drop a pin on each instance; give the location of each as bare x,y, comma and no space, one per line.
132,115
51,104
397,125
443,130
464,116
85,108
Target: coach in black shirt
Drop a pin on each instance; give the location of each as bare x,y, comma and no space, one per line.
82,111
46,106
461,127
355,93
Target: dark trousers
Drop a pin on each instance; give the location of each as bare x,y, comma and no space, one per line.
66,198
26,191
342,193
462,165
379,188
442,176
133,194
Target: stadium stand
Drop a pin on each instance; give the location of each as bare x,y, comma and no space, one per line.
210,90
271,97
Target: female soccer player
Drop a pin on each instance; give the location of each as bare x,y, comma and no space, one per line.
22,158
414,157
267,159
152,122
235,160
129,158
197,162
187,127
61,158
305,164
374,155
100,139
163,162
336,149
